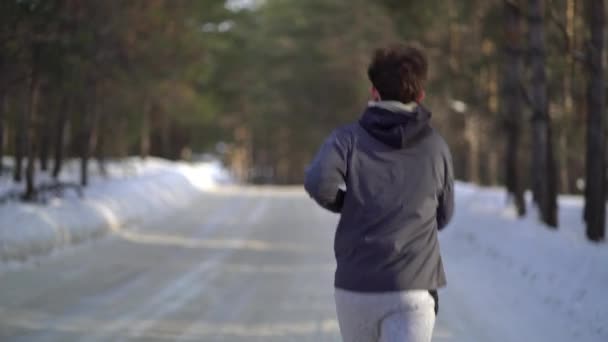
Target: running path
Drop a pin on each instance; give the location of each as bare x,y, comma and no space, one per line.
239,265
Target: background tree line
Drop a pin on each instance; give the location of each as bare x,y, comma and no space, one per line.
98,79
516,86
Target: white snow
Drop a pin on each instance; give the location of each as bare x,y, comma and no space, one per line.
519,280
509,279
135,191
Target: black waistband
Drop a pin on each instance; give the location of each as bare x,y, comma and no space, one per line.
435,296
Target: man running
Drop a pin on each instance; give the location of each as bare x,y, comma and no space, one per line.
390,177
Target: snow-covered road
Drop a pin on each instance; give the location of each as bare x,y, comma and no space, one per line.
251,264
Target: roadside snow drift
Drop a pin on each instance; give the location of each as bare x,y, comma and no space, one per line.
151,189
511,270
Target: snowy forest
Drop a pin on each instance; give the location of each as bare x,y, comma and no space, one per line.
156,157
516,87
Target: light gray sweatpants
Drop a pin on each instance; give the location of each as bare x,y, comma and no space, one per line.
407,316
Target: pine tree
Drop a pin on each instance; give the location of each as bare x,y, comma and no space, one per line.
595,190
543,164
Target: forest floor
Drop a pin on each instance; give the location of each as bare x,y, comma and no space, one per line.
256,264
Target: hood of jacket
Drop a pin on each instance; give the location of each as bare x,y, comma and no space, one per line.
396,124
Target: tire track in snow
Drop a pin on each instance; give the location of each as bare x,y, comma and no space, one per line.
231,310
183,289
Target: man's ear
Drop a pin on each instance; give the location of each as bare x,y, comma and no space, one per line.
375,94
421,96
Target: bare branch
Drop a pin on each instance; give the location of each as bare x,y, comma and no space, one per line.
576,55
554,18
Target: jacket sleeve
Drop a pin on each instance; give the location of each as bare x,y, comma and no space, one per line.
326,173
445,208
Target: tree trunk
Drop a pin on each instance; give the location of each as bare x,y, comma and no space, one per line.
472,132
165,138
2,113
568,99
59,147
45,143
89,141
595,200
543,164
493,167
99,147
122,144
20,144
240,160
30,188
512,103
84,162
284,150
144,143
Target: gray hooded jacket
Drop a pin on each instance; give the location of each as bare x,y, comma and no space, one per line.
398,176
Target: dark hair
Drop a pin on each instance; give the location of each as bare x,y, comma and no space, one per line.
398,72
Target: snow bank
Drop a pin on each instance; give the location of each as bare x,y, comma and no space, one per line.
515,269
136,191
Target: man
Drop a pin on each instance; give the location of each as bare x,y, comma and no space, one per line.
390,177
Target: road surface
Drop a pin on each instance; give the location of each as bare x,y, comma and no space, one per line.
241,264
